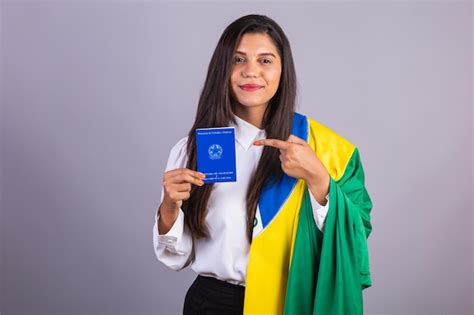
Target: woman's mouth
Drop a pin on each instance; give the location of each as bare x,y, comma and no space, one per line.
250,87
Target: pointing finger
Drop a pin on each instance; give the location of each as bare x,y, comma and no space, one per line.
279,144
295,139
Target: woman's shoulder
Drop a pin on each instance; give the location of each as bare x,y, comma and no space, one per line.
180,144
333,149
327,135
178,154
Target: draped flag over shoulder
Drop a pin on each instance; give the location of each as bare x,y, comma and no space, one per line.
293,267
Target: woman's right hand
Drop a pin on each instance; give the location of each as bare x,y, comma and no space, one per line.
177,187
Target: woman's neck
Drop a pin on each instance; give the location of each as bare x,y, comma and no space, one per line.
252,115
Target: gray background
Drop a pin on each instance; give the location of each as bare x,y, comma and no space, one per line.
95,93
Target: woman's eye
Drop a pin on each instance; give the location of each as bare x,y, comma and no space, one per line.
240,59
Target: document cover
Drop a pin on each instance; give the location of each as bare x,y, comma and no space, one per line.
216,154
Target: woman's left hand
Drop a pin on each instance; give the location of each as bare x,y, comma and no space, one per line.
300,161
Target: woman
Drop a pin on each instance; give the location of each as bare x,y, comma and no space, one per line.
290,236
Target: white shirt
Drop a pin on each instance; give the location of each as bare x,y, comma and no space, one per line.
224,256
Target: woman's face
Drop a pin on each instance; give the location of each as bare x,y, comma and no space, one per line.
256,70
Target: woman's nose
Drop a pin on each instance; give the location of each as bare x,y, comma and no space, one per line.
250,70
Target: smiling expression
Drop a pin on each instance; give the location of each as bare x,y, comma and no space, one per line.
256,70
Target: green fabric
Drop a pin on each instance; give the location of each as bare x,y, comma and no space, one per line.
329,270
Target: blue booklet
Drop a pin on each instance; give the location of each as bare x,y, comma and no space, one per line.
216,154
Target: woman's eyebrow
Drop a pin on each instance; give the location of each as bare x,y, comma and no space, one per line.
261,54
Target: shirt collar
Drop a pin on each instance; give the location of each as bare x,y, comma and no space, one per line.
246,133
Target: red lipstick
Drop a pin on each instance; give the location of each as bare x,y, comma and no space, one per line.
250,87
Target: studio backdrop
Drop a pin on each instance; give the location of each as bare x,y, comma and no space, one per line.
95,93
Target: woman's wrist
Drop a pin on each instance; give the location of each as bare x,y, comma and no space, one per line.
319,188
166,218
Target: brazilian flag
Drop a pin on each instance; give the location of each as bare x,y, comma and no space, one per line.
293,267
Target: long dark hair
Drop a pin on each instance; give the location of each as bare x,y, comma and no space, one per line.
215,109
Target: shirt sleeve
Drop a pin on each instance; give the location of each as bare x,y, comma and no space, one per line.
174,247
319,211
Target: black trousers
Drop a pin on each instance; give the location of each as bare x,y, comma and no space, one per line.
209,296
